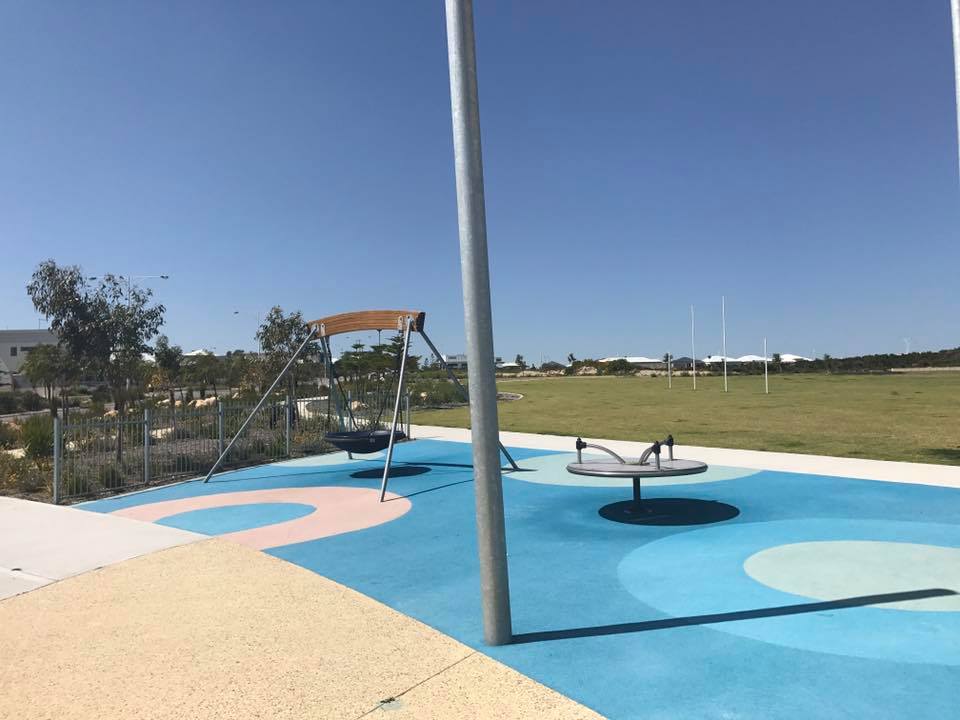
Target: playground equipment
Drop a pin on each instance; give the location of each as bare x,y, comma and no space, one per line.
374,438
635,469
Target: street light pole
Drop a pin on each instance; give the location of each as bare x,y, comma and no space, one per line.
475,271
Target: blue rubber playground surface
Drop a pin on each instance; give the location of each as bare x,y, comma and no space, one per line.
761,594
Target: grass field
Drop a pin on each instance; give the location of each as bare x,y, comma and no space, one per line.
913,417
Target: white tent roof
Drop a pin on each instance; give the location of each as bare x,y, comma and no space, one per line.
789,358
200,351
751,358
711,359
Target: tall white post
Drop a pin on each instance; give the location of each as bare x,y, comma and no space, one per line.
766,377
669,371
693,346
475,272
723,327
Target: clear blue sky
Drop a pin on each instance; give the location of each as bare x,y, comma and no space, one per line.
799,157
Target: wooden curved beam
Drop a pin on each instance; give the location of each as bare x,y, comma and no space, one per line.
367,320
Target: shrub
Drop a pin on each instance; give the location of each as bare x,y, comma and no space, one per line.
37,436
31,401
14,402
111,477
77,485
9,435
183,433
186,463
18,475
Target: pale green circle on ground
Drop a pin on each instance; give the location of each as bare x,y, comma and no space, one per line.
838,569
552,470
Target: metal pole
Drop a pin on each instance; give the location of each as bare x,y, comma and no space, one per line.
955,17
146,445
57,458
221,427
466,395
396,411
723,325
406,412
287,412
693,346
475,271
669,371
260,404
766,377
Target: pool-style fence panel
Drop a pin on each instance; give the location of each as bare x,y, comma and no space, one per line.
163,444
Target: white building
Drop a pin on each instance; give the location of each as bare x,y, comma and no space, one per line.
459,361
15,345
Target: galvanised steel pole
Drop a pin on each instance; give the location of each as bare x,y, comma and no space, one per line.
693,346
955,15
723,325
766,376
475,271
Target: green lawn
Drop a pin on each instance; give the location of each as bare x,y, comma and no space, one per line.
914,417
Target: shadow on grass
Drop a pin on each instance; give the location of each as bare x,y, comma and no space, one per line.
944,455
779,611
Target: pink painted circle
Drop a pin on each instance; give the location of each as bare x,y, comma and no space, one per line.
337,510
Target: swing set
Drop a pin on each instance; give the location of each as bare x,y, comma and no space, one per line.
350,437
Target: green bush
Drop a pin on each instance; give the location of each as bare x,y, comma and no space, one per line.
37,436
187,463
183,433
15,402
9,435
77,485
18,475
111,477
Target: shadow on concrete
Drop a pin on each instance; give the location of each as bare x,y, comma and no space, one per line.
674,622
668,511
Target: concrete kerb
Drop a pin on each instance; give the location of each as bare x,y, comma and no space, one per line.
882,470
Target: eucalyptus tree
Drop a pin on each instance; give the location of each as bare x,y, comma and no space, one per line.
104,328
43,367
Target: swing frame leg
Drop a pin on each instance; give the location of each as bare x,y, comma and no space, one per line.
463,392
396,410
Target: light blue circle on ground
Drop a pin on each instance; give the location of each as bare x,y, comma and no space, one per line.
698,577
233,518
835,569
552,470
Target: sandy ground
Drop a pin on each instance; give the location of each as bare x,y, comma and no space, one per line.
217,630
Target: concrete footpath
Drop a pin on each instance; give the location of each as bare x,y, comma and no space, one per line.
40,543
151,622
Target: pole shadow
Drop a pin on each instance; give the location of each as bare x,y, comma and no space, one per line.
713,618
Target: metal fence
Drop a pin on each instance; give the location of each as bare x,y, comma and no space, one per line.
98,457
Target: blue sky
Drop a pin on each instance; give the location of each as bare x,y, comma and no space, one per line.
799,158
